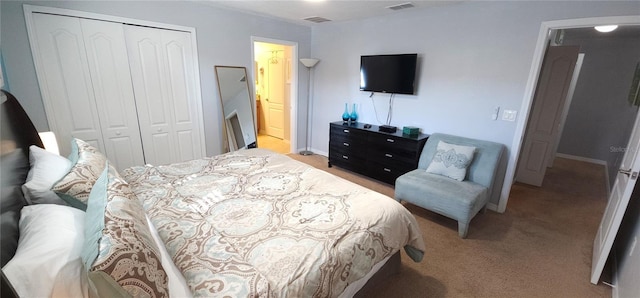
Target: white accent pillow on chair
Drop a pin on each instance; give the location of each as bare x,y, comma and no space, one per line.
451,160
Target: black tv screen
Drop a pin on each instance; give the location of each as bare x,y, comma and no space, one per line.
388,73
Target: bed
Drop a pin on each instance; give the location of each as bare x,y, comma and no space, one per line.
251,223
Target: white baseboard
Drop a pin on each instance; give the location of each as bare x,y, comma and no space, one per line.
580,158
315,151
493,207
320,152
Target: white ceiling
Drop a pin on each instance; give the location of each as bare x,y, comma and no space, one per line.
296,11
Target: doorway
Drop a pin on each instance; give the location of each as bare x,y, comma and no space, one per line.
274,94
603,123
543,40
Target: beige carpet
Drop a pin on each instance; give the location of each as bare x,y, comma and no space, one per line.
540,247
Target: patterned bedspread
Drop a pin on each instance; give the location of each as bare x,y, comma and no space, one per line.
256,223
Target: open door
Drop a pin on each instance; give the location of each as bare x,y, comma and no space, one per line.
548,103
618,201
565,110
274,102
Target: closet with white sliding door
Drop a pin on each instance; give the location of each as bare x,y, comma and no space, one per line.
131,91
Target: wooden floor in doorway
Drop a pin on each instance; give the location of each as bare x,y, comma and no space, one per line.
274,144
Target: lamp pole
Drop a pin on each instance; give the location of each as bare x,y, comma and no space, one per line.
309,63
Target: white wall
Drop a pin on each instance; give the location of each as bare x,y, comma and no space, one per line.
224,38
473,57
600,118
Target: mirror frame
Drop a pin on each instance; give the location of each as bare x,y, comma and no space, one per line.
230,143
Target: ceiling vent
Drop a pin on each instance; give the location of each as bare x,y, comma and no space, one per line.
401,6
317,19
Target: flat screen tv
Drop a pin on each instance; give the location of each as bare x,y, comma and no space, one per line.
388,73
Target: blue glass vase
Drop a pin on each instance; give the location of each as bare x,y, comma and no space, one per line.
354,115
346,116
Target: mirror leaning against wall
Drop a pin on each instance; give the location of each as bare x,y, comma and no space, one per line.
237,107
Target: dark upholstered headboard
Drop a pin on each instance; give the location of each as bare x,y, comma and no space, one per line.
17,133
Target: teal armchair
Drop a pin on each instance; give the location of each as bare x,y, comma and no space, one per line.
459,200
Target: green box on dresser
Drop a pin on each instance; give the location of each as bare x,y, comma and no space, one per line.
367,151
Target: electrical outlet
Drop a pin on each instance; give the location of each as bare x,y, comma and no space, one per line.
509,115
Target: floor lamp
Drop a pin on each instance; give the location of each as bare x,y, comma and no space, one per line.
309,63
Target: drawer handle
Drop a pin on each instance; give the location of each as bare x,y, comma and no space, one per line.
391,140
345,157
388,155
346,144
387,170
346,130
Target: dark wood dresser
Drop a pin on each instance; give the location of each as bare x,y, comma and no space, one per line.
367,151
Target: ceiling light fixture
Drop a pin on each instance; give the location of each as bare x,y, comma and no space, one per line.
607,28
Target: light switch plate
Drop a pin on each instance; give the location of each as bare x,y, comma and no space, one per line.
509,115
494,116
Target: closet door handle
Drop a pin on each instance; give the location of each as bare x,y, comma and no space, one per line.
345,144
388,155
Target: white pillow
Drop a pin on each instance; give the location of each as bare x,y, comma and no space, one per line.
451,160
51,239
46,169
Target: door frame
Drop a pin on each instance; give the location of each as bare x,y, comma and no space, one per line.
294,99
530,88
29,10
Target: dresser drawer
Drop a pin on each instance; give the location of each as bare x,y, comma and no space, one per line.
346,144
379,155
385,173
390,141
393,144
347,160
390,156
346,132
397,168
